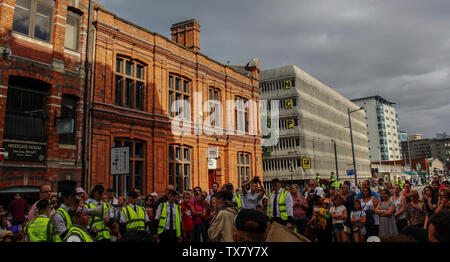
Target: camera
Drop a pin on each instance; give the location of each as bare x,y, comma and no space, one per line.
256,179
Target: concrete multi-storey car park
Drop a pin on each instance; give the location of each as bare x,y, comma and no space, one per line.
312,116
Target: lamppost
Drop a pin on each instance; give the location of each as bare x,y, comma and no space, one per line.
351,136
335,159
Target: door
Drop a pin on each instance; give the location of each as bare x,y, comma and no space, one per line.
211,177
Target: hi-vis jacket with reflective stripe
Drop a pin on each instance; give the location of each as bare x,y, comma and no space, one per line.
135,220
39,230
75,230
281,205
164,215
97,224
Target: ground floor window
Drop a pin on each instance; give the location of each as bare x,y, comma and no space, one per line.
123,184
243,167
180,167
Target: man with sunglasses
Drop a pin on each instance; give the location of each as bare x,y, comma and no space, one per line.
44,193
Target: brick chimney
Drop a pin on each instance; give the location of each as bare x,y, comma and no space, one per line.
187,33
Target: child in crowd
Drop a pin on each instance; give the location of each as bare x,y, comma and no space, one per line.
186,217
312,225
339,215
358,219
115,232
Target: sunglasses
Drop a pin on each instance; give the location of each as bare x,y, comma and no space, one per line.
48,191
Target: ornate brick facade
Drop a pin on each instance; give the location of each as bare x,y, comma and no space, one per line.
151,126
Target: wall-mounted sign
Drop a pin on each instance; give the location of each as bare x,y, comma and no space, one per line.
120,160
306,162
350,172
287,84
212,152
24,152
288,103
212,163
65,126
290,123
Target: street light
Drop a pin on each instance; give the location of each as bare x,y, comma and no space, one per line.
351,136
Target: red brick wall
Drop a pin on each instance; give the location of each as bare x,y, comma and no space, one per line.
162,56
35,59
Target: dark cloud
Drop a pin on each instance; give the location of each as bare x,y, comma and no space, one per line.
397,49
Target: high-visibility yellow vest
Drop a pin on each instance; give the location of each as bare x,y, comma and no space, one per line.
281,204
336,185
66,217
75,230
39,230
238,199
97,224
135,220
164,215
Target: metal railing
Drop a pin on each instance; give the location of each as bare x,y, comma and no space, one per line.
27,128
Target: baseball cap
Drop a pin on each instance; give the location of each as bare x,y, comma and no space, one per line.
79,190
154,194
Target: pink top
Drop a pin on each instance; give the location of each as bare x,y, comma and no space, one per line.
299,211
198,206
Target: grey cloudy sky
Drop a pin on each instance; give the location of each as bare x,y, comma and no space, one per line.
399,49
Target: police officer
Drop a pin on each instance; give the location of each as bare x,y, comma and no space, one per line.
280,208
168,220
334,183
61,219
132,215
40,228
78,232
97,224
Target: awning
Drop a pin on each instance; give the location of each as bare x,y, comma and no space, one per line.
13,190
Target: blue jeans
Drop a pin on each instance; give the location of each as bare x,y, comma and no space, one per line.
199,230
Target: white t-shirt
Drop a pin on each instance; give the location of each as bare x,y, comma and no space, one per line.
338,211
318,191
358,214
251,200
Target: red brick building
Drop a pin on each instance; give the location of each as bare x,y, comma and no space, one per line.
138,75
41,87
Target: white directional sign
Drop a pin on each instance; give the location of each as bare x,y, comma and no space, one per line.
212,163
212,152
120,160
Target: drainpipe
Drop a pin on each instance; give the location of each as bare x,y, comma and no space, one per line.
85,100
91,99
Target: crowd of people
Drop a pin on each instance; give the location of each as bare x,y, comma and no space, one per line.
324,211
